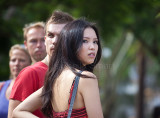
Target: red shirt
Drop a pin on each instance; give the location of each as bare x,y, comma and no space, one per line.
28,81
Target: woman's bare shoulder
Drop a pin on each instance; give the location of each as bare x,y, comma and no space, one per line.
89,81
89,74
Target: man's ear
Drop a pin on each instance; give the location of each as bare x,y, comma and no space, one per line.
25,44
45,40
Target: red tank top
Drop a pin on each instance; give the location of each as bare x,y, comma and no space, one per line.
76,113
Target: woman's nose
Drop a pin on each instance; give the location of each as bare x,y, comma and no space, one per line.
17,62
91,46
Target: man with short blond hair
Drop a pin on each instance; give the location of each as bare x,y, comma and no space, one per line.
34,40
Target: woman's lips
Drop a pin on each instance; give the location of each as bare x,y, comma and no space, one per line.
92,54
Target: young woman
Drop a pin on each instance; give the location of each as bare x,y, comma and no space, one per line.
78,48
18,59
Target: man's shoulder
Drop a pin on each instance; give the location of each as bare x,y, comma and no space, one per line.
39,65
36,67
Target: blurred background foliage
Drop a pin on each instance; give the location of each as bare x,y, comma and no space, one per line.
130,32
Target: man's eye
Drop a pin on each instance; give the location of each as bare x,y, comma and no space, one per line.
33,41
42,40
50,35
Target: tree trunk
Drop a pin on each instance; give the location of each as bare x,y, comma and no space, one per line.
141,71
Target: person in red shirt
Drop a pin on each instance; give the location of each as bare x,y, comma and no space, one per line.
31,78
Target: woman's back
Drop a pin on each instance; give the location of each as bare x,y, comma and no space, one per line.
61,92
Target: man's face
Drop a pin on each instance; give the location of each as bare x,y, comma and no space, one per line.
52,32
35,44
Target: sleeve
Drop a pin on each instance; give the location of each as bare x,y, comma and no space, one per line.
25,84
1,85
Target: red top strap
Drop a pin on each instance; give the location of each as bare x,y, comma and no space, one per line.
71,91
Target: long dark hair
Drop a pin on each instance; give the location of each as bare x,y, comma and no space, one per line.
66,55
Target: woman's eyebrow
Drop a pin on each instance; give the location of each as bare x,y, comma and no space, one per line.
88,37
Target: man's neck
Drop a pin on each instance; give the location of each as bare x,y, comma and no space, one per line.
46,60
33,62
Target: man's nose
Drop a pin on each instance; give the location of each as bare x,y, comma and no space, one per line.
54,40
40,43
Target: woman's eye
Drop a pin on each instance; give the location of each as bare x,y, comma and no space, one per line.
84,41
13,60
96,42
22,60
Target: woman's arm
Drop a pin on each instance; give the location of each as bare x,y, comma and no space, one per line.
90,92
30,104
